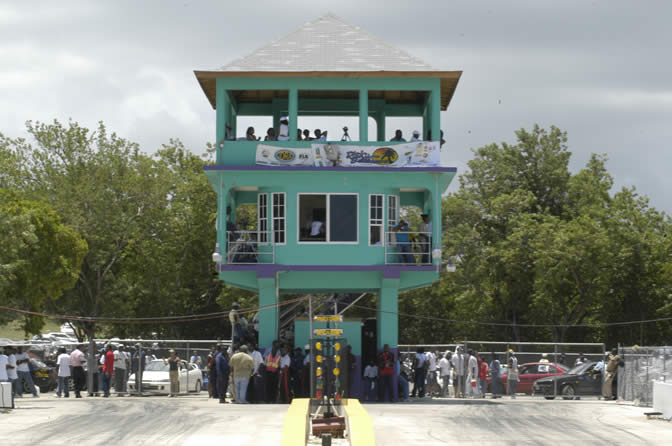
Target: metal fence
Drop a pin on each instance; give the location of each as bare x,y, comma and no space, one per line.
642,366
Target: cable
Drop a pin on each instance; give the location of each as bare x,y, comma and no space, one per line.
508,324
151,320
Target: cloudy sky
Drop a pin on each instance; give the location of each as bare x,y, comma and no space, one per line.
602,70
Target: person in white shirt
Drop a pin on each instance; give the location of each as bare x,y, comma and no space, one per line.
370,376
285,363
512,378
120,366
432,379
284,129
460,366
472,375
23,370
445,367
11,370
416,136
63,365
77,361
4,377
320,135
255,385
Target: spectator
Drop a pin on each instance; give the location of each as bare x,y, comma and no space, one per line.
398,136
386,372
320,135
283,375
305,378
120,364
495,376
445,367
4,366
272,368
77,360
222,366
195,359
512,379
63,373
460,366
431,372
249,135
11,370
284,129
236,324
425,237
403,242
212,373
256,382
243,366
138,364
306,135
420,366
472,374
403,382
580,360
108,370
483,376
23,370
296,371
416,136
270,135
613,362
174,365
370,375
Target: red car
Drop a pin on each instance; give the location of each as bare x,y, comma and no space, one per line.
530,372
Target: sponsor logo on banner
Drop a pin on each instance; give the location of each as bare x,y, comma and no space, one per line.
415,154
283,156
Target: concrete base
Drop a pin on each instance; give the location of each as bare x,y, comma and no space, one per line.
662,398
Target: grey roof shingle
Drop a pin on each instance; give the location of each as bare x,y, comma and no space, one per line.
328,44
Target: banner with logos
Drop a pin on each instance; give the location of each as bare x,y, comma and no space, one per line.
283,156
413,154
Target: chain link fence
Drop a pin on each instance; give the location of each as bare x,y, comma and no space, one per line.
643,366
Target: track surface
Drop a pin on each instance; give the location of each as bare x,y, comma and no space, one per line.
197,420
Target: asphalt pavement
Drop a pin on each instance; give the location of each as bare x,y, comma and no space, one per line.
197,420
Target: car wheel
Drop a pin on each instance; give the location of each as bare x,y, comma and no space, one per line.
568,392
26,387
198,386
549,397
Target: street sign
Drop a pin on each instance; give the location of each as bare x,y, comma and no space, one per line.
328,332
329,318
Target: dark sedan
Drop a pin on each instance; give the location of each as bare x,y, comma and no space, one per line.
584,379
44,376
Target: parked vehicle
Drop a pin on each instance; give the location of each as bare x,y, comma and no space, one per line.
584,379
44,376
156,379
529,373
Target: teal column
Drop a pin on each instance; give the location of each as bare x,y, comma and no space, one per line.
222,106
276,114
425,123
293,112
388,319
268,317
381,125
234,121
363,114
435,113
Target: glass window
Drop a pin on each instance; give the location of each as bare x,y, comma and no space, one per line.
279,219
375,219
328,218
262,217
392,211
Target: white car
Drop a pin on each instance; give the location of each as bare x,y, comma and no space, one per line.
156,379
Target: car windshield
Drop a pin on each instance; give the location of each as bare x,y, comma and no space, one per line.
579,369
157,366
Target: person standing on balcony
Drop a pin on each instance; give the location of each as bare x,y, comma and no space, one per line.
425,237
403,242
306,135
249,135
283,134
398,136
270,135
416,136
320,135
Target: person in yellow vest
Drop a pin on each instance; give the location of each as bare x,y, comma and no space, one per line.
272,367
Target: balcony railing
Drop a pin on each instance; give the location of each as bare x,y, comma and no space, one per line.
244,247
408,248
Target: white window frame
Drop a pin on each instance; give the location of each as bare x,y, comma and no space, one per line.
327,219
262,218
283,218
375,222
392,211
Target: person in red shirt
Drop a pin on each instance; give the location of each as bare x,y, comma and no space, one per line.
386,373
482,375
108,370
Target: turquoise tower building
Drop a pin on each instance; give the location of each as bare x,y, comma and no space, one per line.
328,212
